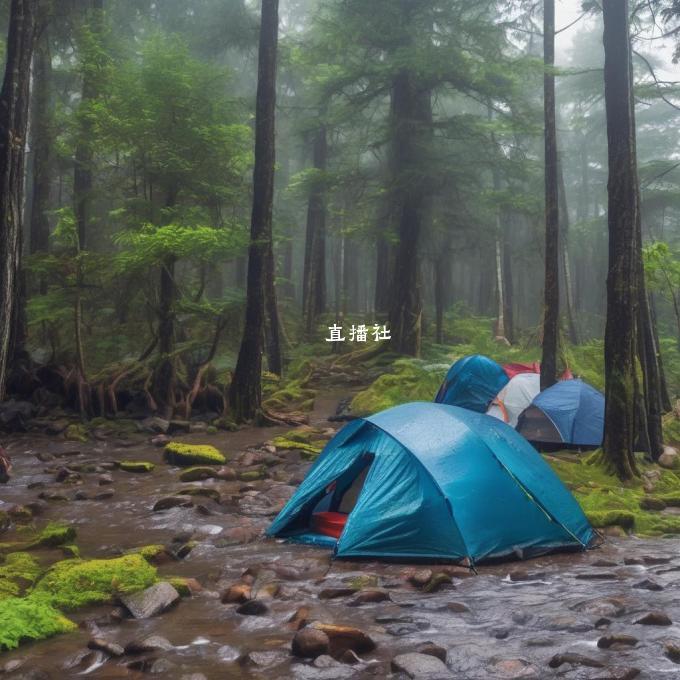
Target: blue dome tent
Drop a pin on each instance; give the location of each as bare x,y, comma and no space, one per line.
436,482
570,413
472,383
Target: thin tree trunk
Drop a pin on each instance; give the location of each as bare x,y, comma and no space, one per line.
42,139
273,318
551,305
440,268
82,174
566,265
314,277
508,286
245,392
620,374
14,100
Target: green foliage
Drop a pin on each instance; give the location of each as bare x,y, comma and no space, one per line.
31,618
75,583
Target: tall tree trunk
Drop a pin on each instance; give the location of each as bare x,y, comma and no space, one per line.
245,392
620,373
551,304
508,283
441,265
42,137
412,128
314,277
82,174
273,318
14,100
566,265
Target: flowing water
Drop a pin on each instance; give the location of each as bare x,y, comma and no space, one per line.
508,621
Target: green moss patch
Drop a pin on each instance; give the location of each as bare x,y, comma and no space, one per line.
29,618
136,466
54,535
75,583
609,502
186,455
310,450
293,396
18,572
197,474
411,380
151,553
76,433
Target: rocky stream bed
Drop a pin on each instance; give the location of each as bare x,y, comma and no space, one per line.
266,609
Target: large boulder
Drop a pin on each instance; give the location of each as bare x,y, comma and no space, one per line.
669,459
14,415
309,643
152,601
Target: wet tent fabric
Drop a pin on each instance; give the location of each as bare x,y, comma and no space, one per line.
515,397
472,383
443,483
571,412
518,369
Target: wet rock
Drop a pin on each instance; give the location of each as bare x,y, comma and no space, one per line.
263,659
369,597
655,619
335,593
253,608
228,653
514,668
179,427
672,650
350,658
540,642
104,480
197,474
597,576
655,560
237,594
13,665
421,578
172,502
152,601
416,665
310,643
155,424
519,576
14,415
104,495
110,648
433,650
669,459
299,619
438,582
648,584
345,637
85,662
80,495
574,660
652,504
161,440
610,607
153,643
228,474
604,563
616,673
457,608
616,641
326,661
501,633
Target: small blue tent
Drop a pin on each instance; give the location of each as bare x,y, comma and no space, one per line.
570,413
438,482
472,383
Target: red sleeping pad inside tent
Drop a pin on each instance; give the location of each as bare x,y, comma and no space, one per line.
512,370
329,523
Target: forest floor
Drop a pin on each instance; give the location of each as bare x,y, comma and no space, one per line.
613,612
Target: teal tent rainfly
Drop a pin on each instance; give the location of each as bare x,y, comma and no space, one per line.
426,481
472,383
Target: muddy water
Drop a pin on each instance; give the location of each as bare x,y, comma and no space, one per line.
509,621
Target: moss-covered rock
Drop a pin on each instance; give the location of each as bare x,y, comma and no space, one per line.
309,451
136,466
53,536
197,474
18,572
76,433
75,583
252,475
293,396
186,455
29,618
151,553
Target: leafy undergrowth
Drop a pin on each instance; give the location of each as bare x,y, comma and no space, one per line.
609,502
